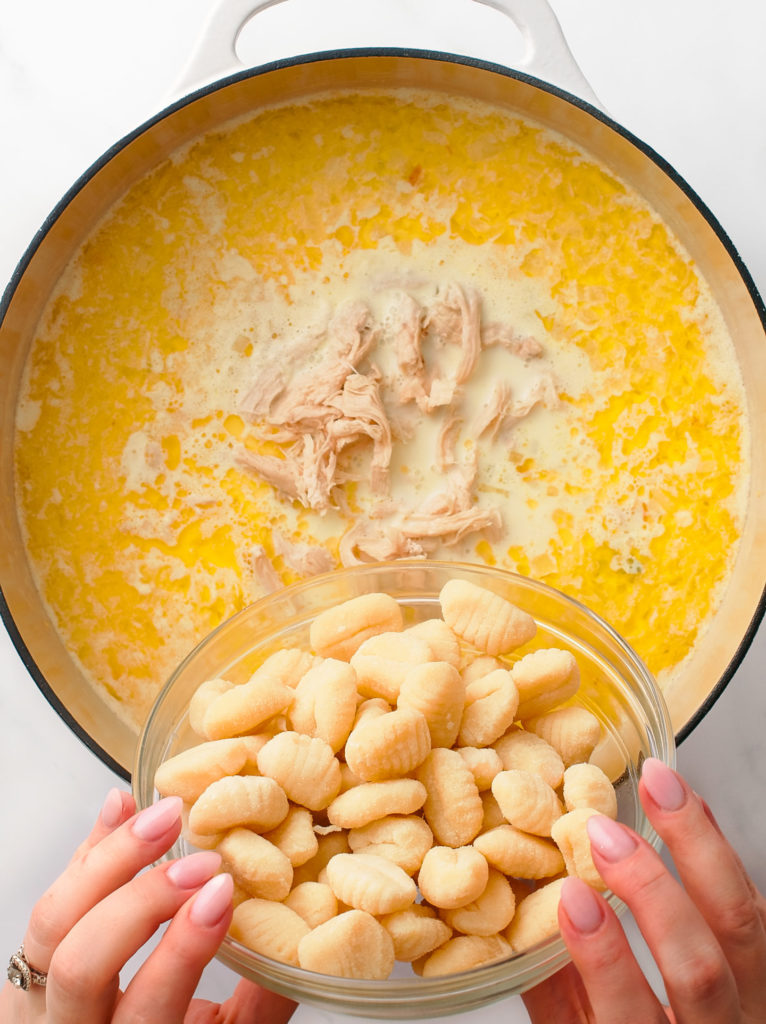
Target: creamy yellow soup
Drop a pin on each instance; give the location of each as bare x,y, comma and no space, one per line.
572,408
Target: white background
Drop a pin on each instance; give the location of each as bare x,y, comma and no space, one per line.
686,76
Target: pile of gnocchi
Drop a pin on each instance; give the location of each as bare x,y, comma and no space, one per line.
397,792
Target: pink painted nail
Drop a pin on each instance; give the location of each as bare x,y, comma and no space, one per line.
581,906
663,785
610,839
155,821
190,872
212,901
111,812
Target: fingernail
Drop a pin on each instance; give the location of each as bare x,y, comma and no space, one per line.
581,905
190,872
212,901
158,819
111,812
663,785
611,839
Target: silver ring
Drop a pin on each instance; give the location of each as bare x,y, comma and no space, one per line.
22,974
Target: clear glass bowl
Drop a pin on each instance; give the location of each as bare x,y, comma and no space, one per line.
616,687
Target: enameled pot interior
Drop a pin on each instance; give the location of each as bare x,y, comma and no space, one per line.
51,665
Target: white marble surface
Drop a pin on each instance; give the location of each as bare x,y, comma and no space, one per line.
686,76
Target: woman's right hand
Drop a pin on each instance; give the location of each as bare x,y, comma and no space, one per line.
707,933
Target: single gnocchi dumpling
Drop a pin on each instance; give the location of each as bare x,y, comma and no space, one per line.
189,773
269,928
372,800
519,748
388,746
484,764
483,619
295,836
315,902
244,708
586,785
368,882
450,877
464,953
435,689
415,931
544,679
239,800
304,766
490,707
453,807
402,838
325,702
256,864
527,801
519,854
572,731
489,913
571,836
352,945
340,631
536,917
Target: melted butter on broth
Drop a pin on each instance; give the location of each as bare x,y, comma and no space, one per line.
140,523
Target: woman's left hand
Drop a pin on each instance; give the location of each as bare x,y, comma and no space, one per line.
104,907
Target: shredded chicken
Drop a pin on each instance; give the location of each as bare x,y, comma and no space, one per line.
447,439
336,420
280,473
494,411
522,345
542,391
305,559
368,542
259,399
362,415
449,527
409,357
466,301
263,570
453,320
350,335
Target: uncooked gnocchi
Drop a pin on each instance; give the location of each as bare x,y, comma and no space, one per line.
388,746
489,913
396,791
239,800
368,882
451,878
484,619
339,632
452,807
415,931
352,945
402,838
527,801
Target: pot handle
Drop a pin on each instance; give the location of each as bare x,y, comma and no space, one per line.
546,52
547,55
